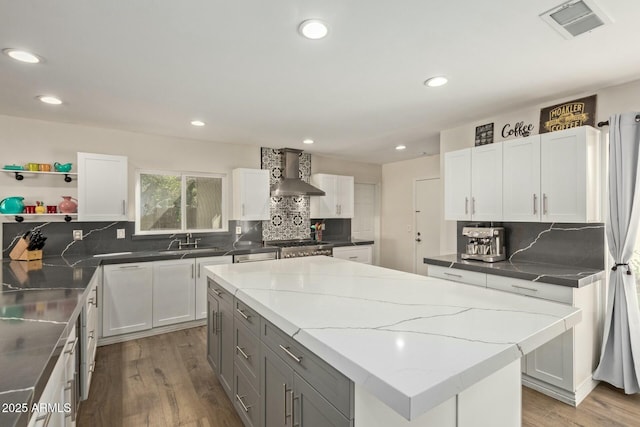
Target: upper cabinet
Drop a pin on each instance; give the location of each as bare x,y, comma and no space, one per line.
102,187
251,195
553,177
338,201
473,183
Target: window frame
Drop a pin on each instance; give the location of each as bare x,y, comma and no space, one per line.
183,175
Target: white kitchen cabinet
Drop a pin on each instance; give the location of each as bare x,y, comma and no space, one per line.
102,187
251,194
52,395
201,281
361,253
570,175
473,183
521,195
127,298
89,336
338,202
174,293
457,185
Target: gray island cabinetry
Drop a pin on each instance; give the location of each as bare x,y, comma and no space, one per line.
324,342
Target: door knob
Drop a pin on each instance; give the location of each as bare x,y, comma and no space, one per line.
418,239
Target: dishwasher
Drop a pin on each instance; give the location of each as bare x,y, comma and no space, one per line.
262,256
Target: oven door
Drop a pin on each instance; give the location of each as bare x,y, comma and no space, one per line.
263,256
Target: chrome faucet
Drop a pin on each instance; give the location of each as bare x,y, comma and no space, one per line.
188,242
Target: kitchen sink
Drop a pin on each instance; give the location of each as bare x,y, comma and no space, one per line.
190,251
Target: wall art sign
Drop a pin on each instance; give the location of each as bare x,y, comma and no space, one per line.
567,115
518,130
484,134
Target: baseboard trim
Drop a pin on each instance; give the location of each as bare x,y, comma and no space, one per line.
564,396
151,332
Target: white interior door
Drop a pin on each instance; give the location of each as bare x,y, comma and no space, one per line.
428,207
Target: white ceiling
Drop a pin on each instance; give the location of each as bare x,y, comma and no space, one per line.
154,65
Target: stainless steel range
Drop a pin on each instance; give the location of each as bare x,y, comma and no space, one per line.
299,248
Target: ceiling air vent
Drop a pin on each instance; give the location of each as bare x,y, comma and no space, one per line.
575,17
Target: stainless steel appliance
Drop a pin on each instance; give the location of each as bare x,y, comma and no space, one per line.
484,243
262,256
299,248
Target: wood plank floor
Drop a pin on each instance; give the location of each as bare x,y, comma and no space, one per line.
166,381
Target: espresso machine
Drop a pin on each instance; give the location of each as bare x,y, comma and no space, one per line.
484,244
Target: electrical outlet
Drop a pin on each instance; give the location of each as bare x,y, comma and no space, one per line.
120,233
238,230
77,234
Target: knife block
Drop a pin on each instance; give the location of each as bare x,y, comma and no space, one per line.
20,252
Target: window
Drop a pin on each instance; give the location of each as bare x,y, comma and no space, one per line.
174,202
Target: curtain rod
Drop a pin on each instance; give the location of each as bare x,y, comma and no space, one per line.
600,124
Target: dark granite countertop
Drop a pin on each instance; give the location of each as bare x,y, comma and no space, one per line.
537,272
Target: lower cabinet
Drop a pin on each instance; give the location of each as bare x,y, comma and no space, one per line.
201,281
363,254
127,298
89,336
276,381
174,293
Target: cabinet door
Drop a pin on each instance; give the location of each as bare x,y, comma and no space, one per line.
521,179
251,194
564,182
344,196
486,182
127,298
201,282
277,390
457,185
553,362
310,409
227,347
354,253
102,187
173,292
324,206
213,334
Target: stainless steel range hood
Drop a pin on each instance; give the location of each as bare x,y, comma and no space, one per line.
291,184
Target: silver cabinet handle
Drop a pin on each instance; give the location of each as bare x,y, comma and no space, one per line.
353,257
73,347
92,367
217,292
293,410
124,207
535,203
525,288
473,206
544,203
466,205
459,276
245,355
291,355
242,314
244,407
284,388
199,269
46,417
122,267
192,271
242,209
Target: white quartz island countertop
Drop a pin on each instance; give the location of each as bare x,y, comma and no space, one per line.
411,341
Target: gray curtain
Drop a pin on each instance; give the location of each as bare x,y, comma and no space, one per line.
620,358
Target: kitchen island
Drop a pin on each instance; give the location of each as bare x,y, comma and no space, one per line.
419,351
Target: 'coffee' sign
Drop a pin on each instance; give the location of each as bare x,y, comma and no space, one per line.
567,115
518,130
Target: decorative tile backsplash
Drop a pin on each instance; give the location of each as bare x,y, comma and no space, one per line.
580,245
289,215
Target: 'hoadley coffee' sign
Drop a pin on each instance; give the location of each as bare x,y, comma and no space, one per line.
567,115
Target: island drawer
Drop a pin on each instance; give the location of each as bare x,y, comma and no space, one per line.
247,317
457,275
246,400
558,293
221,293
330,383
247,350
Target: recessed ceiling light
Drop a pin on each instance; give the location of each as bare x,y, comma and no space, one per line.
197,123
400,147
313,29
308,141
22,56
436,81
48,99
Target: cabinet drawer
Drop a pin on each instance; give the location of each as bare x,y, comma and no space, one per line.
330,383
247,354
220,293
246,400
457,275
249,318
558,293
358,254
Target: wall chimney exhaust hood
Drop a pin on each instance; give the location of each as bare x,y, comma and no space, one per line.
291,184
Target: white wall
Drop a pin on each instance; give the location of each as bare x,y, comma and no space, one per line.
396,243
611,100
